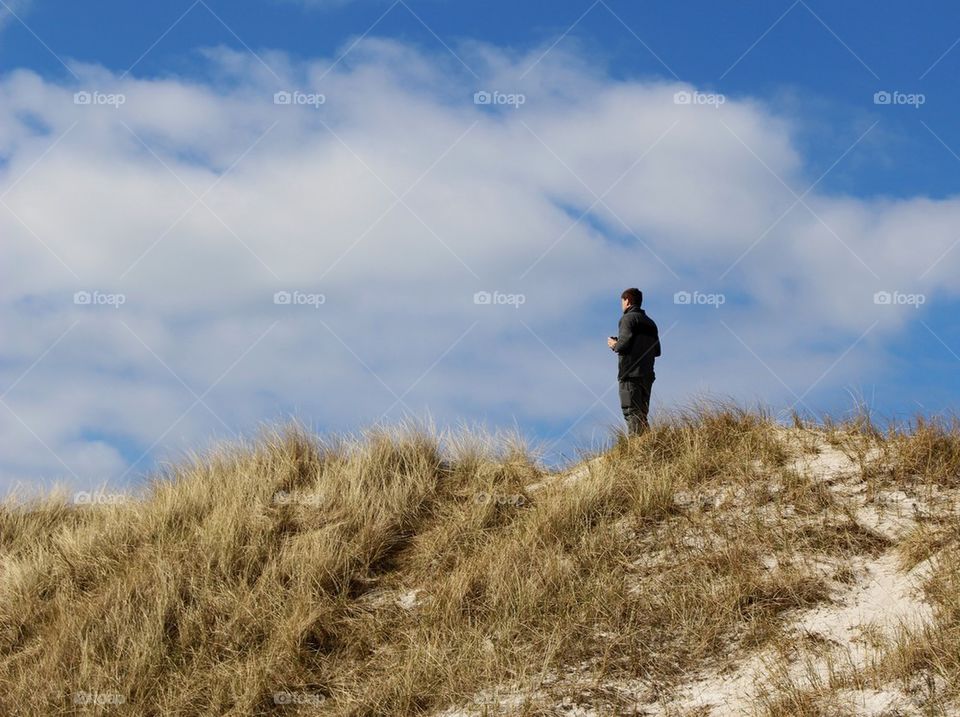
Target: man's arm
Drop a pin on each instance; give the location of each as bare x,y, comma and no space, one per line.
625,337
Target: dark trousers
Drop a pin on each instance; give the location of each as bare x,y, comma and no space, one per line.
635,402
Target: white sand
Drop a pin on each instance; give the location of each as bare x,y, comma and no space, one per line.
831,638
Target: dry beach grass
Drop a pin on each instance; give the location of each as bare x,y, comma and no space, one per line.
719,564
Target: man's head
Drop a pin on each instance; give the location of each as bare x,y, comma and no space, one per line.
631,297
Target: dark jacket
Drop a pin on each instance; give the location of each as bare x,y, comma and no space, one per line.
638,344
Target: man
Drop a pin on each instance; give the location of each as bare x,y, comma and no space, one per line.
638,344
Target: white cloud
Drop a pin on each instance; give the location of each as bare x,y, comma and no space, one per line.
496,192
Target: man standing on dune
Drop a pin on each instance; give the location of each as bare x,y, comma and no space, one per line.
637,345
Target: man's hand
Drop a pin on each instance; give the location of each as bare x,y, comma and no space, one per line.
611,342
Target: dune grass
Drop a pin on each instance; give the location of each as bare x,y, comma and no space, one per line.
921,458
403,573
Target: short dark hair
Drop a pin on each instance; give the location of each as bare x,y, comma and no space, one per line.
634,296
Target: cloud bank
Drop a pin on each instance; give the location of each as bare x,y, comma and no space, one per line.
187,257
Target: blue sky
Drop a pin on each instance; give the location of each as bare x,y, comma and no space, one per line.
821,60
795,197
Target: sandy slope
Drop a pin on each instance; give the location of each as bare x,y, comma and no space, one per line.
834,636
831,638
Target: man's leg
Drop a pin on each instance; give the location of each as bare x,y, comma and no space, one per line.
630,392
627,393
643,393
